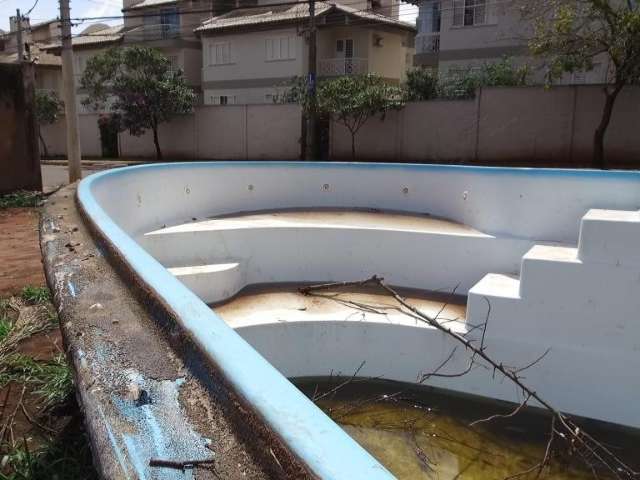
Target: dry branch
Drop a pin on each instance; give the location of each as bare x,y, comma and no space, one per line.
562,427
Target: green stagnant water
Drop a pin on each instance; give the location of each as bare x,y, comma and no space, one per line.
423,433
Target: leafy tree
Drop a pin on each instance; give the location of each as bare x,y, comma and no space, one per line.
353,99
48,108
421,84
502,73
570,34
139,87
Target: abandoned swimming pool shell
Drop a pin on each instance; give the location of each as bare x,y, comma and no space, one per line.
553,253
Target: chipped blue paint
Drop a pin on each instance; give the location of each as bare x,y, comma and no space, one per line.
157,437
114,443
328,451
157,429
134,456
71,288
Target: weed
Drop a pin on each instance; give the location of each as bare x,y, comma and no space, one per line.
21,198
66,457
5,327
52,380
35,295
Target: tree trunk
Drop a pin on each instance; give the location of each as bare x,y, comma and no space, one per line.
353,147
598,137
44,145
157,143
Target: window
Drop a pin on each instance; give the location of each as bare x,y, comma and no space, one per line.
170,22
174,64
579,77
435,17
344,47
81,64
280,48
223,99
469,12
220,53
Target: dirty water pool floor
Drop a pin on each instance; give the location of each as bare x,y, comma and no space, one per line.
419,432
424,433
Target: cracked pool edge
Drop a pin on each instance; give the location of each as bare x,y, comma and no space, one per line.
124,432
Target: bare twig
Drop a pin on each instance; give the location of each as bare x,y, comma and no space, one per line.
585,445
179,464
317,398
513,413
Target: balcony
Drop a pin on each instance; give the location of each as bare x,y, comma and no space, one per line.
332,67
428,42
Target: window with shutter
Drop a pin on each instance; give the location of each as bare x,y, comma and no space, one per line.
280,48
469,12
220,53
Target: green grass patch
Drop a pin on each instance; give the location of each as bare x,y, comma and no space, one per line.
5,327
66,457
51,380
35,295
21,198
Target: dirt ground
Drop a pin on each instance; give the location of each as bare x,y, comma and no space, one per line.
20,259
38,438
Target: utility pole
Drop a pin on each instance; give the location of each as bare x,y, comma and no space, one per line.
69,93
312,137
20,45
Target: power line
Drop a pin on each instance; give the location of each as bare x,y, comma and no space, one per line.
361,22
31,9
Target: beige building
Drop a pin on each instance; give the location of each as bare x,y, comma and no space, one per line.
169,25
455,35
48,69
250,54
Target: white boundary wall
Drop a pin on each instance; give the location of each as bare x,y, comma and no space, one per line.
231,132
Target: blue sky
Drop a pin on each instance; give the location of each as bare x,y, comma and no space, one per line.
48,9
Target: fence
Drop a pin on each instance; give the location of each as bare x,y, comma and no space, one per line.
257,132
516,126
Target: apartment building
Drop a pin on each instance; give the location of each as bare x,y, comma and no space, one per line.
250,54
455,35
169,25
48,67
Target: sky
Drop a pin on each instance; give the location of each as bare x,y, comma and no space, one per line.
48,9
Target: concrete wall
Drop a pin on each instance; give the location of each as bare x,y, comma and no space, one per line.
19,152
212,132
522,126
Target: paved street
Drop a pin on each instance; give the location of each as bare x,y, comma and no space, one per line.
53,176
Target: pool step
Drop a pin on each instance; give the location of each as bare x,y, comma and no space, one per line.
566,294
545,266
610,236
212,283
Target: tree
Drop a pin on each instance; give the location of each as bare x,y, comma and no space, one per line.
570,34
352,100
422,84
48,108
137,85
